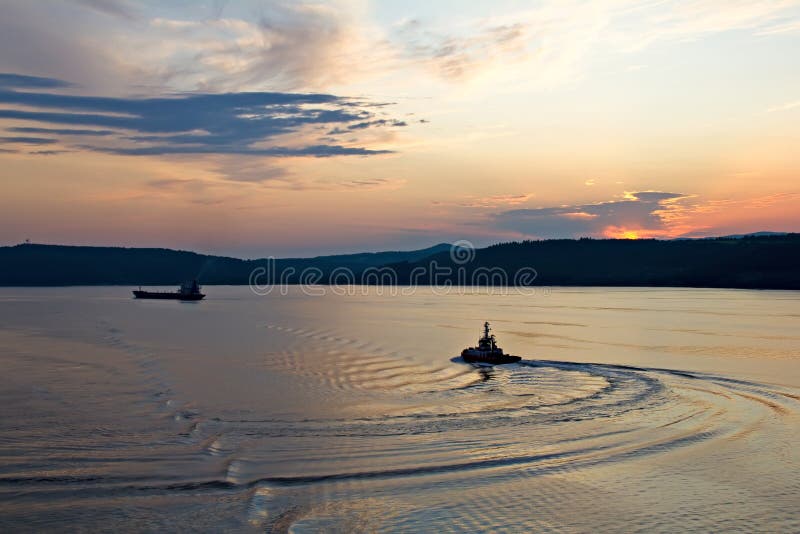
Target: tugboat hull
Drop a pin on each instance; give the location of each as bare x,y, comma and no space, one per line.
494,359
163,295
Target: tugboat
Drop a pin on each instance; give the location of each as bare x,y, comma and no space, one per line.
487,351
187,291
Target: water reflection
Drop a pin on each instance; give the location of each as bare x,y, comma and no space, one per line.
633,409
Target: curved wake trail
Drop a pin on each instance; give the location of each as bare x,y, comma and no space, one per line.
509,434
407,445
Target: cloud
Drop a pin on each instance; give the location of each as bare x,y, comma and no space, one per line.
555,38
20,81
456,57
48,152
252,169
252,123
639,26
284,44
640,212
378,122
789,27
784,107
62,40
318,151
28,140
497,200
58,131
114,8
170,183
372,183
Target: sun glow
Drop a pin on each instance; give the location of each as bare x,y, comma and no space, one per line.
617,232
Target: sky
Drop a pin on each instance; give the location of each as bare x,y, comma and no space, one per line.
261,128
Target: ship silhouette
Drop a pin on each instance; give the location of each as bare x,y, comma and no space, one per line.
487,350
187,291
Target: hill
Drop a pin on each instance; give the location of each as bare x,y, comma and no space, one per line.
54,265
759,262
762,262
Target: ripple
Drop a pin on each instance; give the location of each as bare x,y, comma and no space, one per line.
410,445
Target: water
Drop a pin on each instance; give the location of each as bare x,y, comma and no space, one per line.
634,409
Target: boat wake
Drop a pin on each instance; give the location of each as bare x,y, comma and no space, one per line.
512,434
399,444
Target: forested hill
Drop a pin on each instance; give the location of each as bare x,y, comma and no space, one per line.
53,265
761,262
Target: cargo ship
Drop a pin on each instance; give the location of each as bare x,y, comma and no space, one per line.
487,350
187,291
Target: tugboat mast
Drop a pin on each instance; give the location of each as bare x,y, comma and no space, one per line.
488,339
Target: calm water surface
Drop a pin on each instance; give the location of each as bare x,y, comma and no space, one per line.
633,409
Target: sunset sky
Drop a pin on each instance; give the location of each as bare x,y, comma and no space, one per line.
294,129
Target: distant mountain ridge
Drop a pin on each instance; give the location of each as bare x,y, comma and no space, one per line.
752,261
754,234
762,233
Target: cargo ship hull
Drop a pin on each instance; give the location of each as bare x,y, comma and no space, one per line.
165,295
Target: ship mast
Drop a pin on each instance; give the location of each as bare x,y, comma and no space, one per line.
488,338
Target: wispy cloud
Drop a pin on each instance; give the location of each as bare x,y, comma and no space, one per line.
496,201
58,131
458,56
372,183
115,8
784,107
639,25
555,38
10,80
28,140
783,28
287,45
48,152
